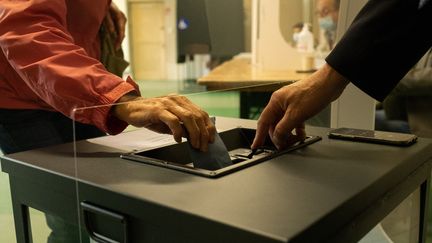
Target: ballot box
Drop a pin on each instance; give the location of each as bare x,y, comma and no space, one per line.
237,142
319,190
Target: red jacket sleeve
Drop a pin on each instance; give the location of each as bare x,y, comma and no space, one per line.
35,40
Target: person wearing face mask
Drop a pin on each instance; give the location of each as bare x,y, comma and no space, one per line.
296,31
328,12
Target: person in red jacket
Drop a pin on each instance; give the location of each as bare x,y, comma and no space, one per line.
50,65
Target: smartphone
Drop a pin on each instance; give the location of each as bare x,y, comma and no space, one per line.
381,137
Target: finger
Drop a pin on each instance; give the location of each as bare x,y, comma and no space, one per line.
193,115
301,132
282,131
286,142
204,135
173,124
271,130
292,139
192,129
211,128
207,130
189,123
207,127
260,135
289,140
265,120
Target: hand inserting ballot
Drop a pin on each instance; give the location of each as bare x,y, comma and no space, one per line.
168,114
289,107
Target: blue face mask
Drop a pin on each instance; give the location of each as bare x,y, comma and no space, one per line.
327,23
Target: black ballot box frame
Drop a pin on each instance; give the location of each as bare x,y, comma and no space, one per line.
176,156
329,191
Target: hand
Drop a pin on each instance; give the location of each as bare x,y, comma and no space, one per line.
115,22
166,115
290,106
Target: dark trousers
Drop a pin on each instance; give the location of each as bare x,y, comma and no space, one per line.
22,130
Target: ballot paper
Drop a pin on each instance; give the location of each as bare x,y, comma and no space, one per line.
215,158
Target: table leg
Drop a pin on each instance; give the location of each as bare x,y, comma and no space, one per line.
249,100
244,105
21,219
424,207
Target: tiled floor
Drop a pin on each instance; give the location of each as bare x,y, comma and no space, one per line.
215,103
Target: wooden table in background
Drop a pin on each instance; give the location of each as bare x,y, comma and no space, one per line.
240,75
239,72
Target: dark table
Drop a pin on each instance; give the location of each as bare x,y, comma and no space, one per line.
330,191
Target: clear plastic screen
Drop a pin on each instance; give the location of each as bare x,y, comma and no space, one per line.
110,185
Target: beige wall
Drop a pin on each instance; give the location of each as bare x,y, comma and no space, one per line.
247,5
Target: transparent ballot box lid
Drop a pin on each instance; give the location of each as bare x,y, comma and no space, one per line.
237,142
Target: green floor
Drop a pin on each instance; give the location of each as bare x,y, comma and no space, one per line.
215,103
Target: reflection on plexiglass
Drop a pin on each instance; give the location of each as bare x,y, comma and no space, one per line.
310,28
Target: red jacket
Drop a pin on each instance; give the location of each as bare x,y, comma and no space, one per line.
49,60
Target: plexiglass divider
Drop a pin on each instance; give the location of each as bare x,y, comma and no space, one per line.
144,163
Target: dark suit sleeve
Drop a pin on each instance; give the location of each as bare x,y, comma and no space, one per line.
384,41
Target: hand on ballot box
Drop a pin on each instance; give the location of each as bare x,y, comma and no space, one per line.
167,114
